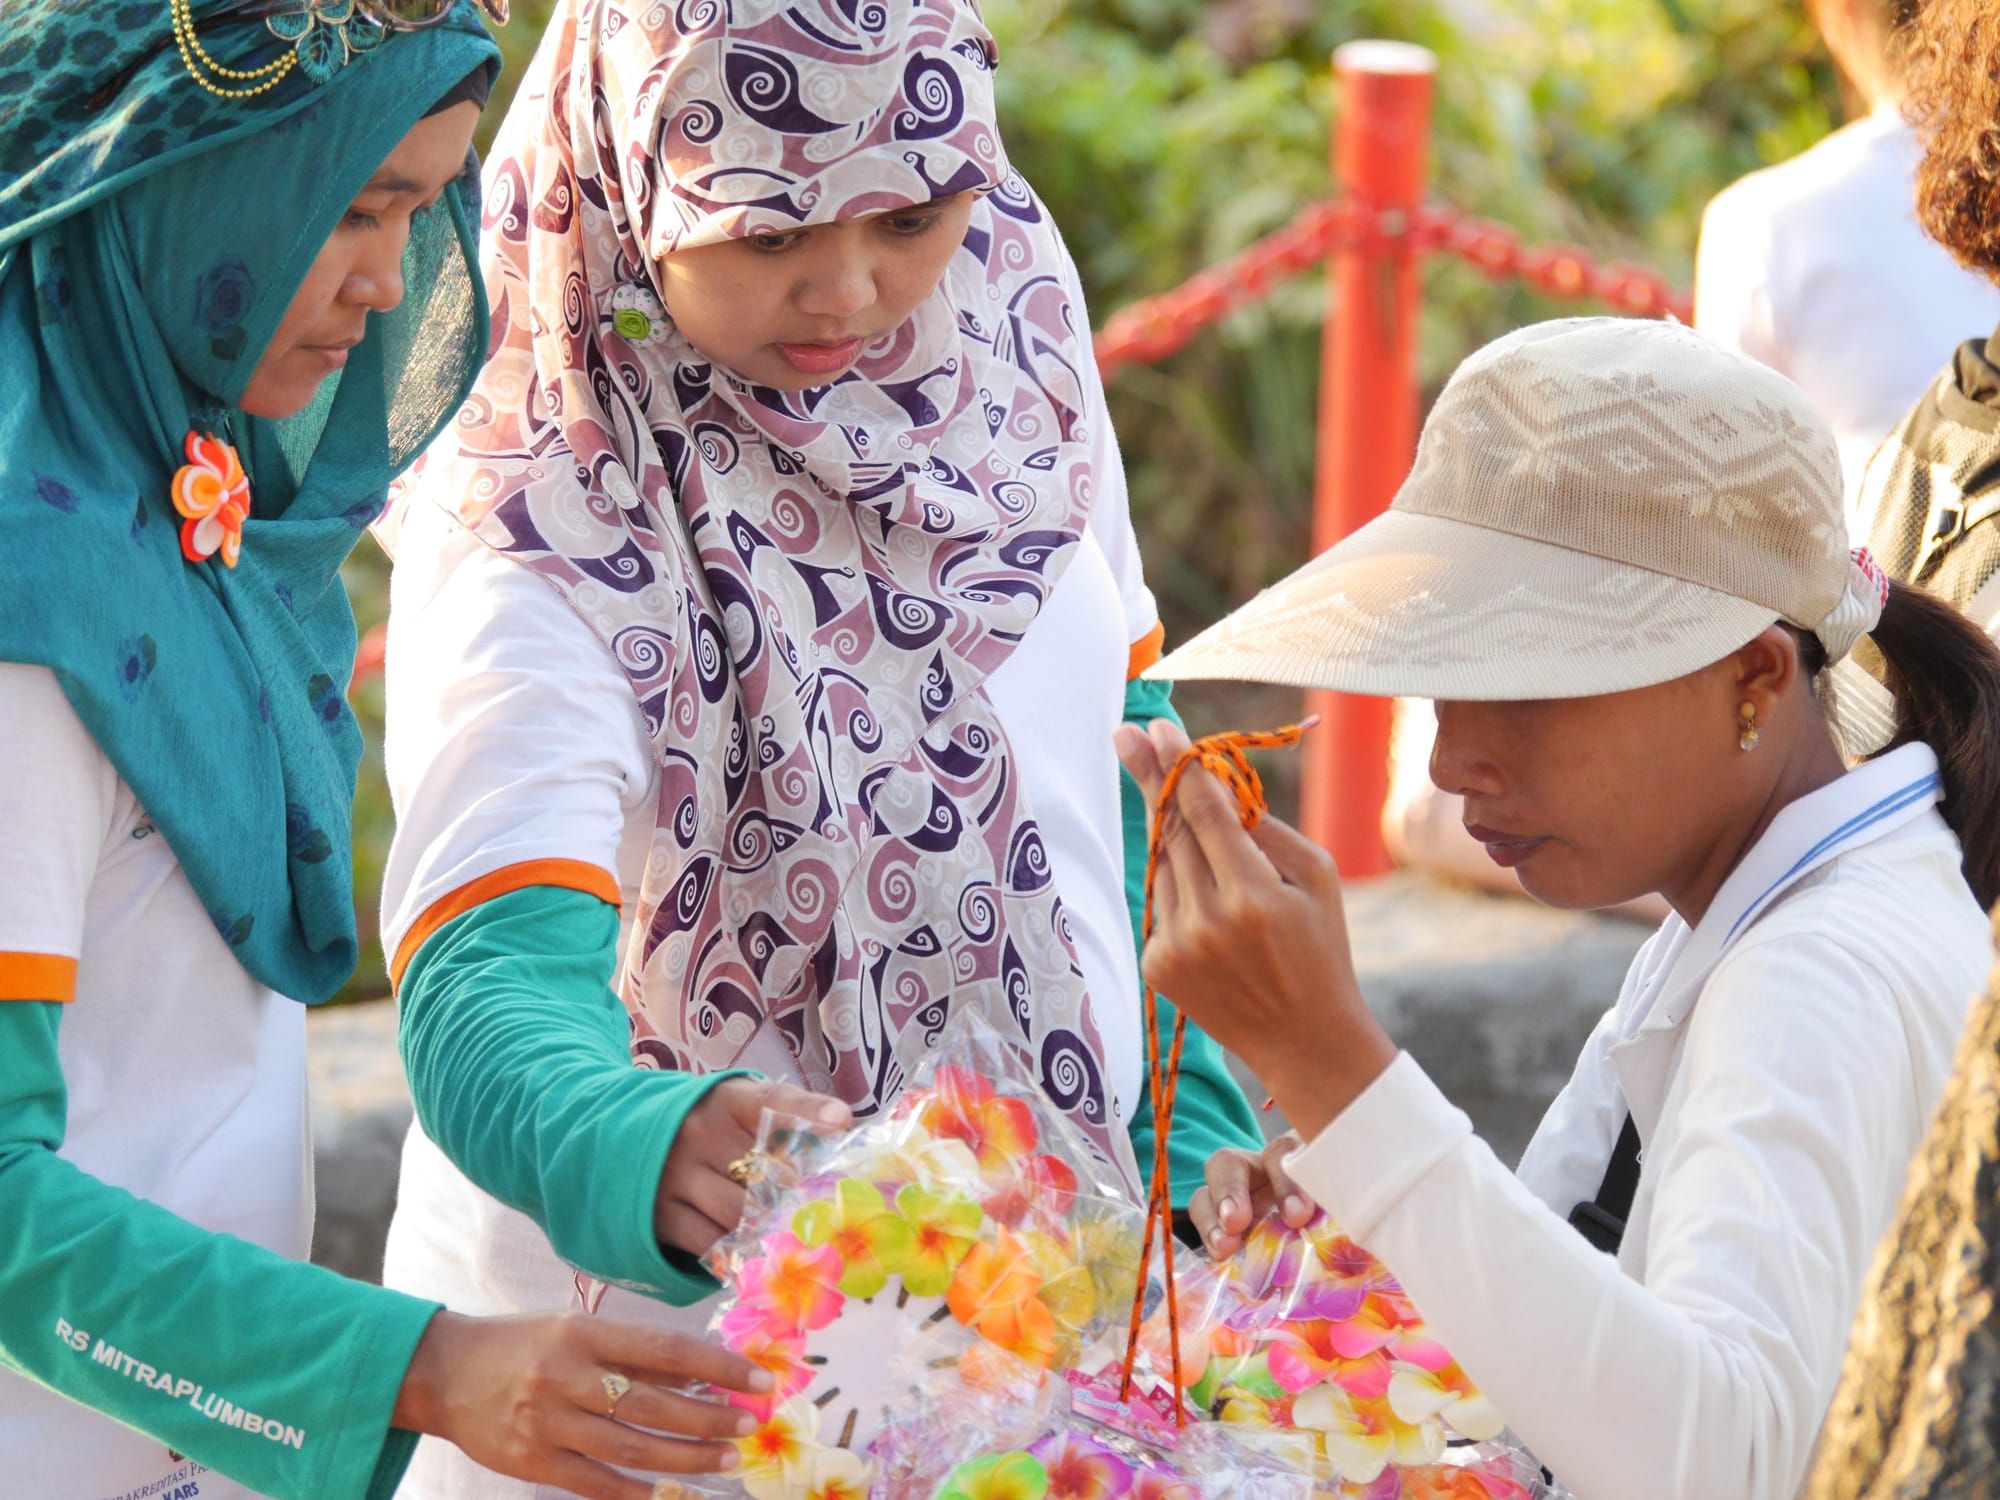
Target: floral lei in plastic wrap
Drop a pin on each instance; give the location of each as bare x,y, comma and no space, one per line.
941,1296
1303,1330
962,1205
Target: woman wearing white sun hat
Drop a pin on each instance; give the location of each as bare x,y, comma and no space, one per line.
1619,565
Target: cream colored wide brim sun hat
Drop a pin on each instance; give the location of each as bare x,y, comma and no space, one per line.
1597,504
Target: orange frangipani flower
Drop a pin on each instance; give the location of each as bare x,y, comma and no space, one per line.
1485,1481
994,1293
964,1107
212,495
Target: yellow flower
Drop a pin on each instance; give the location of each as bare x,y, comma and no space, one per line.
1106,1240
1067,1287
937,1162
943,1228
1357,1448
997,1476
873,1240
1418,1395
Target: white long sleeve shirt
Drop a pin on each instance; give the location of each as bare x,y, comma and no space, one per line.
1781,1061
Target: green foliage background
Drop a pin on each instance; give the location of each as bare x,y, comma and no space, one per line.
1168,134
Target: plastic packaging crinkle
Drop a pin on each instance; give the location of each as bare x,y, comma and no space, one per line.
971,1202
943,1295
1302,1330
986,1425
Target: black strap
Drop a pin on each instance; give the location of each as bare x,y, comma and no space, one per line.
1953,515
1602,1220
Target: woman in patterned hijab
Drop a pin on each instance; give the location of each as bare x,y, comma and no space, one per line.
774,587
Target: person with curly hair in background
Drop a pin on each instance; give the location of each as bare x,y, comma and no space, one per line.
1817,265
1931,493
1917,1413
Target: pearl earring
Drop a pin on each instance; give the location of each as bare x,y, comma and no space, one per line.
1746,738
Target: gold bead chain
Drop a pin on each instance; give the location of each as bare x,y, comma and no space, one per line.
271,74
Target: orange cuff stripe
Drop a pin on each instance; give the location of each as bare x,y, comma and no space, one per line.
1146,651
37,976
568,874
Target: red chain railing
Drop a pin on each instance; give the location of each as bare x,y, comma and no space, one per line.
1155,327
1554,270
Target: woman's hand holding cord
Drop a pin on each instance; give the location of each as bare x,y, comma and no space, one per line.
1249,937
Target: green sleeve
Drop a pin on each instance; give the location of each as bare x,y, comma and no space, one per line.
518,1058
278,1374
1210,1111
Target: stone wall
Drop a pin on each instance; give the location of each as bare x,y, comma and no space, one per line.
360,1114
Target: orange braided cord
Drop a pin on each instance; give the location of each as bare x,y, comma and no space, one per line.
1222,755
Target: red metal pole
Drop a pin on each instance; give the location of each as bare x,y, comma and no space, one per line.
1367,406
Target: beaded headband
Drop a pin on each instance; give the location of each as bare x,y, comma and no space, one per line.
325,35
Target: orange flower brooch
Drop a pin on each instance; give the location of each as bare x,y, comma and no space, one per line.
212,495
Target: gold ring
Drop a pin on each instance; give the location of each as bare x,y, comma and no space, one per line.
615,1387
742,1169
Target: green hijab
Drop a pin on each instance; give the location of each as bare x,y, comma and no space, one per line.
148,250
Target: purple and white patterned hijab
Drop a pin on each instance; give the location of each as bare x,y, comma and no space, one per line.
807,590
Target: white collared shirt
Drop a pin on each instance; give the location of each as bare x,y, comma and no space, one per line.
1781,1061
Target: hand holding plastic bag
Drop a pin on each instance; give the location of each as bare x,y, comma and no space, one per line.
970,1204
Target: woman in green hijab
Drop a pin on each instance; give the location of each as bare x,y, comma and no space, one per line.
236,297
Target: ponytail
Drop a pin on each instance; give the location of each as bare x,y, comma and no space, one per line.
1945,676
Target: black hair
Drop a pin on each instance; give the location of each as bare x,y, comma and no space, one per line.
472,88
1944,674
